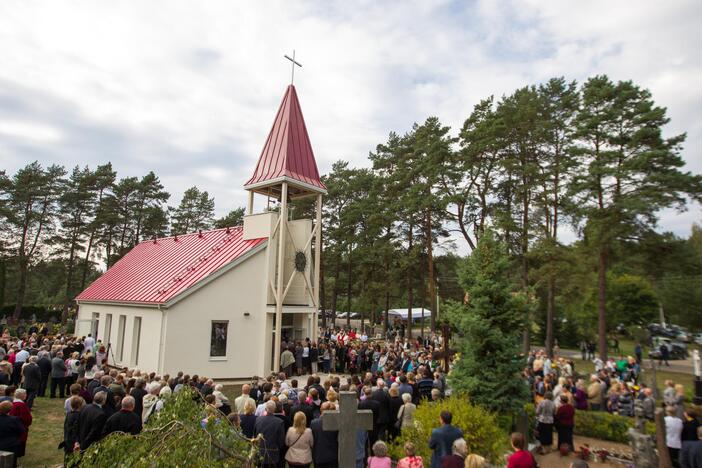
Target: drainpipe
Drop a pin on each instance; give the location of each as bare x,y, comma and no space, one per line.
162,340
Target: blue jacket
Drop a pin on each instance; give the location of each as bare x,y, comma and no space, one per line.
441,441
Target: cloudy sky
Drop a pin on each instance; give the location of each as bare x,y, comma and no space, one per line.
189,89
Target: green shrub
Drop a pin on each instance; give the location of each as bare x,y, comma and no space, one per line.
599,425
481,429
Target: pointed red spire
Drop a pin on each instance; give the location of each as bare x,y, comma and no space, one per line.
287,153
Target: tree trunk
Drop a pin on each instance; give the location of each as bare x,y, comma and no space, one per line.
69,281
86,260
525,264
335,291
550,309
430,271
387,296
3,281
321,289
348,294
423,295
602,303
410,289
21,288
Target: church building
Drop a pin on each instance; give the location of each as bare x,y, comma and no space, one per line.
217,303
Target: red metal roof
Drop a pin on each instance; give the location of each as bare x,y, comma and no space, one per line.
155,272
287,152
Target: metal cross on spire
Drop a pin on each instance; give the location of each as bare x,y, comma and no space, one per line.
292,77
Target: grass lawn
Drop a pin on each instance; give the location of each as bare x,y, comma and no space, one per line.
45,433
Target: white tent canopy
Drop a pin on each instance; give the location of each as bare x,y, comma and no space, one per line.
404,313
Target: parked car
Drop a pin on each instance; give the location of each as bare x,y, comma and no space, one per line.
676,349
698,338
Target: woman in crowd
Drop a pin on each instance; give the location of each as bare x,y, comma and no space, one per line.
299,441
406,411
395,405
70,426
248,419
580,396
411,460
544,417
679,401
564,420
673,433
380,457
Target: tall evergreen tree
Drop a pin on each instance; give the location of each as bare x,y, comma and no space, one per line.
30,204
632,172
560,101
76,207
487,330
196,211
104,180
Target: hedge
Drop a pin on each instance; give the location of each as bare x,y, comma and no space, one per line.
481,429
599,425
42,313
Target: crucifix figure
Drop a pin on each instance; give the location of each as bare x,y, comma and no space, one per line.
347,420
292,77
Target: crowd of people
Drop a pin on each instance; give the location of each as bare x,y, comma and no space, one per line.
614,387
390,378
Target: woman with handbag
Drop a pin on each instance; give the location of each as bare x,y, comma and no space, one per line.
299,441
405,416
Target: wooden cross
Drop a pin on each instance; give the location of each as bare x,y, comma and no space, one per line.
292,77
347,420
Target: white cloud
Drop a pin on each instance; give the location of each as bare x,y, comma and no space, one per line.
190,89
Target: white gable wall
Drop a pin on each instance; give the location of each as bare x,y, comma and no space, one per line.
147,342
228,297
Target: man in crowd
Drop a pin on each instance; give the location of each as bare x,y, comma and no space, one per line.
442,439
125,420
240,401
45,366
32,379
58,375
691,452
273,431
303,406
91,421
326,446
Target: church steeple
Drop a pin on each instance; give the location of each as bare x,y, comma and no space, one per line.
287,155
286,170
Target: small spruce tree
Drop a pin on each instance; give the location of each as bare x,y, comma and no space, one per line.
488,330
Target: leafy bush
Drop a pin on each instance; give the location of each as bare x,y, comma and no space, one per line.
41,313
175,437
599,425
481,429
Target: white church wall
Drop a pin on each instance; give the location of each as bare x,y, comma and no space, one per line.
228,298
132,347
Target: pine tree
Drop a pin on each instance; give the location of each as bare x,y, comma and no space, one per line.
233,218
487,330
196,211
30,205
631,173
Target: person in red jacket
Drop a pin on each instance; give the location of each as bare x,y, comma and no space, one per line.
521,458
22,411
565,420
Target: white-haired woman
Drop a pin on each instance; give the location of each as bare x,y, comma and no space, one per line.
221,400
406,411
150,400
